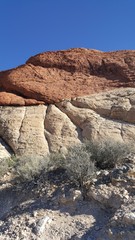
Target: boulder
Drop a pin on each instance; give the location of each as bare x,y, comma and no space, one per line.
51,77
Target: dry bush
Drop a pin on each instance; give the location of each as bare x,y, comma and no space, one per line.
80,162
29,167
78,165
3,167
6,165
56,160
107,154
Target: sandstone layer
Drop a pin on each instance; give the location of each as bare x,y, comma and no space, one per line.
72,92
38,130
54,101
51,77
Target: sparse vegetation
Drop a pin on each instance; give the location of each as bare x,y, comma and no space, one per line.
3,167
80,162
78,165
29,167
7,164
107,154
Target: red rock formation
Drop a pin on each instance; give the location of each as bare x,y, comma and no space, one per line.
52,76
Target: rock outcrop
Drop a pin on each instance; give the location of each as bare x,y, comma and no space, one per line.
38,130
79,93
53,76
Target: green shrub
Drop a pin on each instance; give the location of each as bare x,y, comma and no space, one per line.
107,154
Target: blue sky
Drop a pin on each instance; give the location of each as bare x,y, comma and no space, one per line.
28,27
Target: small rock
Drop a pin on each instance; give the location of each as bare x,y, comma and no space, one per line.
110,233
34,214
129,218
77,195
97,228
40,226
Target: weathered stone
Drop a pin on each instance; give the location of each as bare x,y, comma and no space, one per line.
41,224
76,83
129,218
108,196
43,129
60,132
52,76
22,128
5,151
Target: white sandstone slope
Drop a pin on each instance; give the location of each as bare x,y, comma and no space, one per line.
38,130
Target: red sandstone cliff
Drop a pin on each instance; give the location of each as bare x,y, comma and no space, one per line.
52,76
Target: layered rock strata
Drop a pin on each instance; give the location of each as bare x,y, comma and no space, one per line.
72,92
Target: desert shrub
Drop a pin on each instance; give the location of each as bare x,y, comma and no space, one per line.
12,161
29,167
107,154
3,166
78,165
56,160
7,164
80,162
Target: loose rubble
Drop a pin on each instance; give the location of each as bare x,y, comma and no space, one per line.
56,210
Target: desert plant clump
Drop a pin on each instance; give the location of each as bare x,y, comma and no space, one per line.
29,167
79,162
107,154
56,160
78,165
3,166
7,164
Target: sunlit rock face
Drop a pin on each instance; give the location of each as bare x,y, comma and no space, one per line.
53,76
42,129
58,99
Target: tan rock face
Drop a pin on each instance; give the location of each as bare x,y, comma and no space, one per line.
38,130
72,91
22,128
53,76
60,132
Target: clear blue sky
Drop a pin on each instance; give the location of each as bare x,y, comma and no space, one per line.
28,27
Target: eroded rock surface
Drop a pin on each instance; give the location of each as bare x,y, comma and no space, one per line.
53,76
60,132
72,91
42,129
22,128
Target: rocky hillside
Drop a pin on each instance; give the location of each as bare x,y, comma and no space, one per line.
54,101
54,209
80,94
